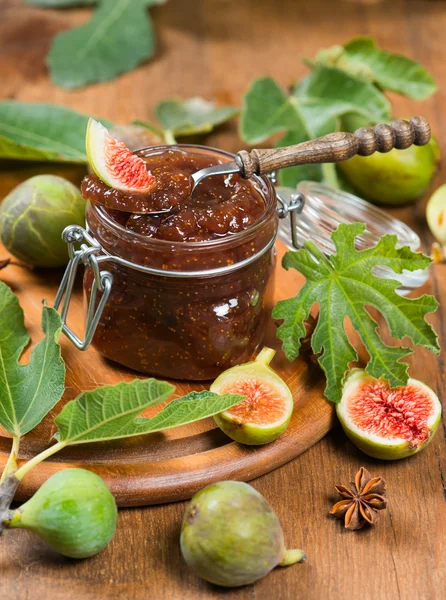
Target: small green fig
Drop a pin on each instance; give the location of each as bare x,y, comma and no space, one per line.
73,511
33,216
395,178
231,536
436,214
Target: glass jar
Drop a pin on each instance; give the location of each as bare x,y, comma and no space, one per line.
183,310
189,310
326,208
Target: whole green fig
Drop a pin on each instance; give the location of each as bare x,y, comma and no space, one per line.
33,216
436,214
231,536
73,511
395,178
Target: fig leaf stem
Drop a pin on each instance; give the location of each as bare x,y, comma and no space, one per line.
293,556
11,464
169,137
20,473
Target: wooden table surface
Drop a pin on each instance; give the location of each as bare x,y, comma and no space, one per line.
213,48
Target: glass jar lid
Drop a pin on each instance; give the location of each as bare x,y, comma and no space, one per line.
325,208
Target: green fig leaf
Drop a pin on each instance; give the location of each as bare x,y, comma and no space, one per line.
111,412
312,109
343,284
27,392
118,38
192,116
361,57
43,132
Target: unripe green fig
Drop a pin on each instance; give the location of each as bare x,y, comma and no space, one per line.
73,511
395,178
231,536
436,214
33,216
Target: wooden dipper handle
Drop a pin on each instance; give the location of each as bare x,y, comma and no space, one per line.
336,147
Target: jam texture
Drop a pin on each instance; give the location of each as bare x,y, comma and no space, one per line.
220,206
190,326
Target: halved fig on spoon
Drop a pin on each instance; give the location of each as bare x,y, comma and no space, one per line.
114,163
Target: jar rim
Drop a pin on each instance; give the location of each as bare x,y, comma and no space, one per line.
267,190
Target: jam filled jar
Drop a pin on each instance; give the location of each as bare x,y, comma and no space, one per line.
186,293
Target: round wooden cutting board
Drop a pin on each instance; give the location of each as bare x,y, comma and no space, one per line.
162,467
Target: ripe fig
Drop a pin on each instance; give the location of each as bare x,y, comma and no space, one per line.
114,163
34,215
436,214
388,423
395,178
73,511
266,412
231,536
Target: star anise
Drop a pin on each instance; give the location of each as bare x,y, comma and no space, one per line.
361,501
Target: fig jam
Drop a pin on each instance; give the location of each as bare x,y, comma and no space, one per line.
197,295
220,206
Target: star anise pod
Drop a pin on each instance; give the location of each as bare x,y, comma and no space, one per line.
361,501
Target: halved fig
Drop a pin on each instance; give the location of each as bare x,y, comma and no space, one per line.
388,423
114,163
266,411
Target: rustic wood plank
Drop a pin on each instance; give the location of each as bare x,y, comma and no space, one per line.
213,49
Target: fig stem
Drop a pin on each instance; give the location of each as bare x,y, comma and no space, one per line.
265,356
11,464
7,492
293,556
10,520
20,474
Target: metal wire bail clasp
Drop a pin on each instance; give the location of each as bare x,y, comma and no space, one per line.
74,235
291,204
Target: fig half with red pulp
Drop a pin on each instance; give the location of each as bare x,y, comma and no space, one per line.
384,422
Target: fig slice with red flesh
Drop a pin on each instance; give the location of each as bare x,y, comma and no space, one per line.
115,164
388,423
266,411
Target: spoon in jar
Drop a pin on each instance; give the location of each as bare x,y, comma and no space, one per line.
331,148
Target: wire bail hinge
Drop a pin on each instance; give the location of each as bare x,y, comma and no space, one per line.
291,207
74,235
